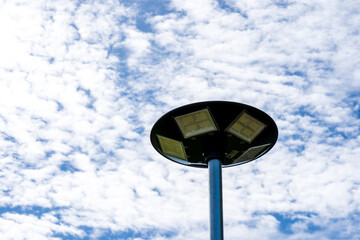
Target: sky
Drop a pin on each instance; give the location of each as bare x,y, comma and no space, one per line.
83,82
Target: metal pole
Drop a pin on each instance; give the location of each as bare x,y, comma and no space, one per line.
216,209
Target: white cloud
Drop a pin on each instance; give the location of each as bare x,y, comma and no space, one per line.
81,86
17,226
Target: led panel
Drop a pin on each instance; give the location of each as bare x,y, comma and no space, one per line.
232,154
196,123
251,153
172,147
246,127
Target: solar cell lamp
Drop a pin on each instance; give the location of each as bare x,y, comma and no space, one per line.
214,135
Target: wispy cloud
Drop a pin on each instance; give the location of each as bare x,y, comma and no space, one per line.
81,84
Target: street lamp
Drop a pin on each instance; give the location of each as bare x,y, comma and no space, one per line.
213,135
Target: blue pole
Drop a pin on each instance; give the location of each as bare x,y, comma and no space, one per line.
216,209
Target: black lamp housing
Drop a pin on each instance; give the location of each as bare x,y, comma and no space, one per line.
219,143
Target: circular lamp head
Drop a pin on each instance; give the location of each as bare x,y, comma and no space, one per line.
234,132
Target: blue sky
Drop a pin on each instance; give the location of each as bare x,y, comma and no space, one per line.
82,83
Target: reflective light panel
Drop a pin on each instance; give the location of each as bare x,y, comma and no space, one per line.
251,153
246,127
232,154
172,147
196,123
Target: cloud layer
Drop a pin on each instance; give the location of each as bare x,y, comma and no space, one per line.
82,83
